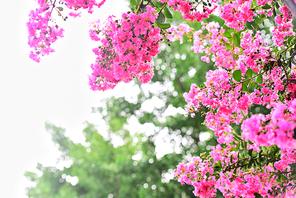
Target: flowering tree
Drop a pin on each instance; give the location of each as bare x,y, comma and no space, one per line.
249,100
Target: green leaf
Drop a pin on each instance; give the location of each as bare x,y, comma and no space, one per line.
250,152
227,34
237,75
164,25
249,73
237,136
236,40
167,13
228,46
133,3
266,7
60,8
161,18
218,164
259,79
245,86
243,114
231,159
257,21
257,195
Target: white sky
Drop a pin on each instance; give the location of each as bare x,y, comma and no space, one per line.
54,90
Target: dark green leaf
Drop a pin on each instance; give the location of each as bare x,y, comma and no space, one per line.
257,195
250,152
237,136
237,75
60,8
266,7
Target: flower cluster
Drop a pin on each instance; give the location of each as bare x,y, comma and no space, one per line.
248,73
176,32
237,13
85,4
126,50
285,26
189,9
42,31
276,128
234,177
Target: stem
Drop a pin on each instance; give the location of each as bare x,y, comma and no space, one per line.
233,55
164,5
197,4
53,5
286,73
139,6
261,21
285,51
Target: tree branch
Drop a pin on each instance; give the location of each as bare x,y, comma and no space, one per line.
291,6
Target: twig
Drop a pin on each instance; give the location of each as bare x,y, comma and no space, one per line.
53,5
139,6
164,5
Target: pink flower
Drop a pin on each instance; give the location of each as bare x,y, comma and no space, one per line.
126,50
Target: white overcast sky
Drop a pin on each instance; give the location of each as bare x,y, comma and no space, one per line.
54,90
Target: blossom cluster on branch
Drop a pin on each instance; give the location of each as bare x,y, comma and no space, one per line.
42,27
126,49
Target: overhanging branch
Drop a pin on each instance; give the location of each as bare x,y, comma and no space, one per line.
291,5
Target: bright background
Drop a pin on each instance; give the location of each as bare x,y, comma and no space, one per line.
54,90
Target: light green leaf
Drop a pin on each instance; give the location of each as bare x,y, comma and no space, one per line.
236,40
164,25
259,79
167,13
249,73
245,86
227,34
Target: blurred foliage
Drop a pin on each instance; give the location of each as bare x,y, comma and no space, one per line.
105,171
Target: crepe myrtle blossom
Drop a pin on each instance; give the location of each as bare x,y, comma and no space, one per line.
127,46
43,31
189,9
84,4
